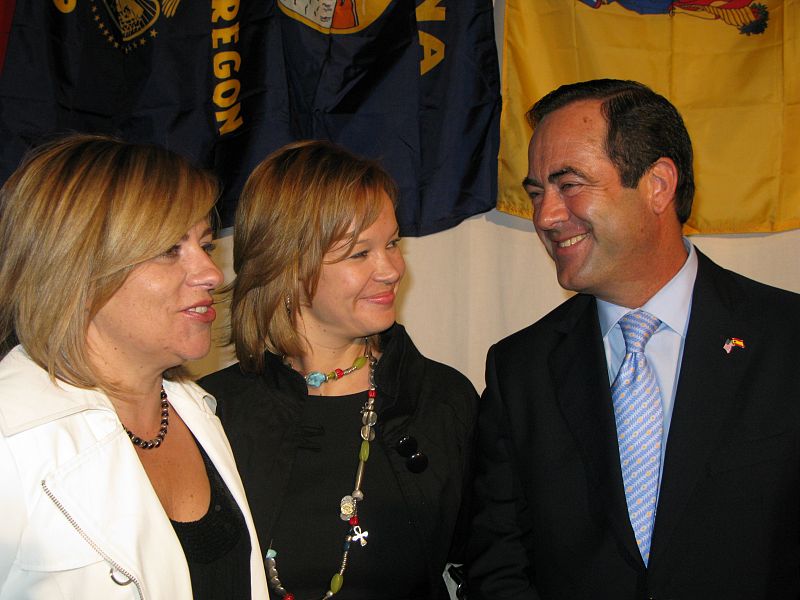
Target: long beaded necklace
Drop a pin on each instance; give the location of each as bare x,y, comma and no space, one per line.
348,505
162,433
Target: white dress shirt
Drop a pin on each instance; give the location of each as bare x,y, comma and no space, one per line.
672,304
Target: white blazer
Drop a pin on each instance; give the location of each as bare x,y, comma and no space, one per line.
78,515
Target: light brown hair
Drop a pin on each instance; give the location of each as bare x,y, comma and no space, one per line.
297,204
75,218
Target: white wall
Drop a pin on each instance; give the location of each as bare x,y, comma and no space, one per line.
472,285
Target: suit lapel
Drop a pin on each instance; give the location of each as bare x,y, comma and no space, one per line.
707,385
579,370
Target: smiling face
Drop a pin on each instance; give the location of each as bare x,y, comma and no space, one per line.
355,296
161,315
600,234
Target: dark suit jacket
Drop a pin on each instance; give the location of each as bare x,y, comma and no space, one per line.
551,519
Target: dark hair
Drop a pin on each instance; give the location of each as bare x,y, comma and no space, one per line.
642,127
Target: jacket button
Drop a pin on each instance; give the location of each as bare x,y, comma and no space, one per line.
407,446
417,463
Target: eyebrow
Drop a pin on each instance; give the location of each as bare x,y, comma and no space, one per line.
208,231
528,182
554,176
395,233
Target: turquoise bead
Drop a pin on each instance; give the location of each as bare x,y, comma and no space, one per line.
316,379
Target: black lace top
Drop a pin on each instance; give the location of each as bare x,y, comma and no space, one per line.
217,546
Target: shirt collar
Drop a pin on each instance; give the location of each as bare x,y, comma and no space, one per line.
671,304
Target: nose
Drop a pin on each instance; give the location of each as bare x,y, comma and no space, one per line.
205,272
390,267
551,211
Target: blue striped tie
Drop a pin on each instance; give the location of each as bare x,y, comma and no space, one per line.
638,414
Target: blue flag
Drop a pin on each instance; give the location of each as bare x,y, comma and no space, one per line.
414,84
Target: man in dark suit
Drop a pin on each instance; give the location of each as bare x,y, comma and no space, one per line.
666,393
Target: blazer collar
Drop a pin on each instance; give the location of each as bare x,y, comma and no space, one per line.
30,398
23,380
706,392
579,371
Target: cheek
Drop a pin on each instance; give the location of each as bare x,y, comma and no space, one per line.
544,240
400,266
588,207
331,294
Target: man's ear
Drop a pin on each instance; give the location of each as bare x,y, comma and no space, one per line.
661,180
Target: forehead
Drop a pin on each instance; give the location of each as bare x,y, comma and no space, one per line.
385,221
569,136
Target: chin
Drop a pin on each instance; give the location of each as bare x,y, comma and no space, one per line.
566,283
376,328
195,353
575,280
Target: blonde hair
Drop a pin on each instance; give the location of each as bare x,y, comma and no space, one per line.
296,205
75,218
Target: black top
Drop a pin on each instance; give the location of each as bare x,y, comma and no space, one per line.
217,546
421,503
324,472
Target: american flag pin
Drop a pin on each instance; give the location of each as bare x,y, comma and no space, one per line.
732,343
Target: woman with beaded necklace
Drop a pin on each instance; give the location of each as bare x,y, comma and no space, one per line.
354,448
117,479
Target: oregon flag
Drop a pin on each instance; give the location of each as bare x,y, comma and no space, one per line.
731,67
412,83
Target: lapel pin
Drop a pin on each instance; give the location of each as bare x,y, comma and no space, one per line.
732,343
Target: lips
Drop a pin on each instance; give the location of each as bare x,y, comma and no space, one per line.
572,241
385,298
204,313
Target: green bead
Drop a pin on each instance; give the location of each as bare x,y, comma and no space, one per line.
360,362
363,454
336,583
331,376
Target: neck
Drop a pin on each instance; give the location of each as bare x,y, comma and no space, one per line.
134,392
326,358
661,269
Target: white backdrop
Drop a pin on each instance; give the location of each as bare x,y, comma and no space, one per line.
470,286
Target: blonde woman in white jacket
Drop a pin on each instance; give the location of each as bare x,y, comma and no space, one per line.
117,479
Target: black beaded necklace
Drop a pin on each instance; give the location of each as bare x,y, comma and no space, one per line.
162,433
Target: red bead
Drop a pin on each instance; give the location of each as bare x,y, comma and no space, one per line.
339,373
288,597
372,393
354,520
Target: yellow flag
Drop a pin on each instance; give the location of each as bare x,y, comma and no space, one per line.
731,67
